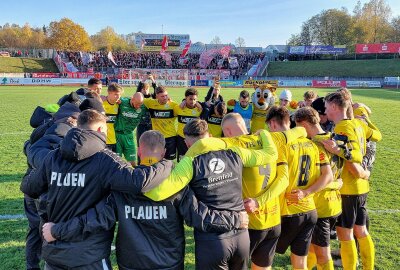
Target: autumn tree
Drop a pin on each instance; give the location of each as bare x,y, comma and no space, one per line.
108,39
294,40
334,27
67,35
395,29
371,22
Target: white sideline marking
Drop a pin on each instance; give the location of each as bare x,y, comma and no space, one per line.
14,133
384,211
9,217
374,211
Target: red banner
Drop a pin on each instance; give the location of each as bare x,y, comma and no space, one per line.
378,48
45,75
225,51
186,49
79,75
328,83
164,45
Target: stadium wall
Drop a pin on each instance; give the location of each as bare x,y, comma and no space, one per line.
288,82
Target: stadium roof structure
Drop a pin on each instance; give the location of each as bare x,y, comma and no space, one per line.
200,47
277,48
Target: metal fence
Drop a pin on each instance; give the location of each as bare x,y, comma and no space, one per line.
33,53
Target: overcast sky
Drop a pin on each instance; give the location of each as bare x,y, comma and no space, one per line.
260,23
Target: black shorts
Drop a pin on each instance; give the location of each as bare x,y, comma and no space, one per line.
354,211
322,231
263,245
112,147
170,147
228,253
297,232
181,146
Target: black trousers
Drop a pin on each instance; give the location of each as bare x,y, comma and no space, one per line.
33,247
227,253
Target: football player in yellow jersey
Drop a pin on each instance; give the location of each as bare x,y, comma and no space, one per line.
264,226
309,172
214,119
355,188
163,119
110,104
190,110
327,201
362,112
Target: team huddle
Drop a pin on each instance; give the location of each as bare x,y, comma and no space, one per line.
253,177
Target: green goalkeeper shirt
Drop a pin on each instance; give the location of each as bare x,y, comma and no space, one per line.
128,117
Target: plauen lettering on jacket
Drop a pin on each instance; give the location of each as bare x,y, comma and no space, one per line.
69,180
146,212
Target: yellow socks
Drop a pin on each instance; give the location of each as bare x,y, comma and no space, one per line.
326,266
311,260
367,252
348,252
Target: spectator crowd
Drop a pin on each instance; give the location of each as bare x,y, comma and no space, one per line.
154,60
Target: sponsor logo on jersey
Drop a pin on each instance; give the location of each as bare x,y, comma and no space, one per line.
146,212
130,114
185,119
214,120
216,165
111,118
161,113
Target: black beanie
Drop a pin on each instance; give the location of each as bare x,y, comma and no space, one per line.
319,105
92,103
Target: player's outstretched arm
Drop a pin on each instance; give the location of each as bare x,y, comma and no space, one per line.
39,150
100,218
267,154
120,176
322,181
277,187
35,183
336,184
196,214
180,177
371,131
357,170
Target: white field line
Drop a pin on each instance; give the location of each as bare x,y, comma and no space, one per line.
374,211
15,133
9,217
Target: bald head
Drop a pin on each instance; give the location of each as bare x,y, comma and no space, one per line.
151,145
233,125
137,100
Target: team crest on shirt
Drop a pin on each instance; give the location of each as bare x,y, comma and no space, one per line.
194,112
166,106
139,110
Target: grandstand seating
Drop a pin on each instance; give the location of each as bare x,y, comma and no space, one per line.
100,61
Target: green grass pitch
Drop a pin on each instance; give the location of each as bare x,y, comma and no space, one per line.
383,204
